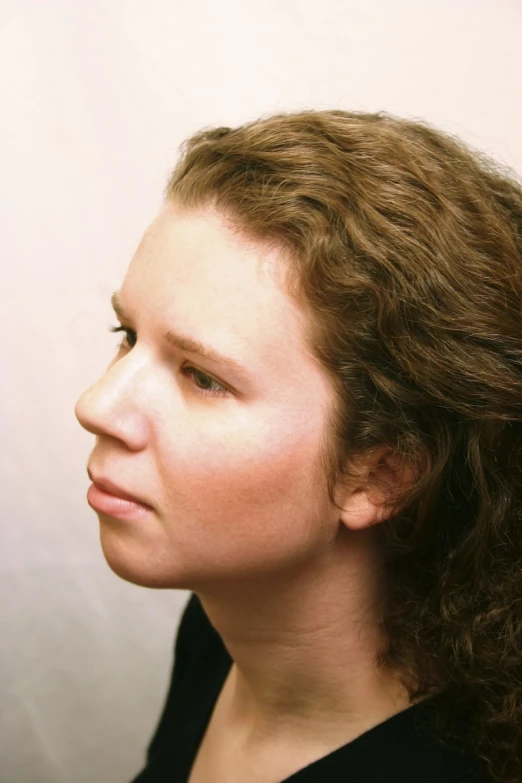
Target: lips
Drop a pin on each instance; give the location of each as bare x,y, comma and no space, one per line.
106,485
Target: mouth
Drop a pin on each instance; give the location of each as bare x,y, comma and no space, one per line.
110,488
115,506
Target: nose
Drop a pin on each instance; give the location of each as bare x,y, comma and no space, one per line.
91,410
109,408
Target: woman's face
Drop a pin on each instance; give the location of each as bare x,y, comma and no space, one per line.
233,478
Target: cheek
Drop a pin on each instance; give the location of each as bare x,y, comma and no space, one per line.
259,482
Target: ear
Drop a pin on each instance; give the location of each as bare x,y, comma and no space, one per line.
367,503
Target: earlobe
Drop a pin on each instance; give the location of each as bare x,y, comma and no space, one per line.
359,511
366,504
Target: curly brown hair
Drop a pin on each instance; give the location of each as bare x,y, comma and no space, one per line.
405,247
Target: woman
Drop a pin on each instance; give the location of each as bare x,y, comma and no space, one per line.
315,419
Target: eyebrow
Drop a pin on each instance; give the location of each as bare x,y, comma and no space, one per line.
185,343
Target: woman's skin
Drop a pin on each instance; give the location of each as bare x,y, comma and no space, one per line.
239,507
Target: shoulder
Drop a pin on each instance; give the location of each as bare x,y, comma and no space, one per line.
195,637
198,655
194,626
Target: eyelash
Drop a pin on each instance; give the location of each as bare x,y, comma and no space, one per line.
215,390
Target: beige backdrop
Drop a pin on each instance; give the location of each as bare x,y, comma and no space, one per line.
94,99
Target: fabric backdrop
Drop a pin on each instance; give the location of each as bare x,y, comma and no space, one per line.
95,98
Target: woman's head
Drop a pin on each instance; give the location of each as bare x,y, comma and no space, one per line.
232,467
389,256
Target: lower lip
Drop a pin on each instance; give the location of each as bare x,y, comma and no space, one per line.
114,506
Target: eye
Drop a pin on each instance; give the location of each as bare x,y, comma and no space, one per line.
127,333
209,387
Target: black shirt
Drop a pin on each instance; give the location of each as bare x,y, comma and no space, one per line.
395,751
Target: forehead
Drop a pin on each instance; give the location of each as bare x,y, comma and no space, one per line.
192,271
198,251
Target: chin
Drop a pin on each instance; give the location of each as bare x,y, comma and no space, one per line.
134,575
129,561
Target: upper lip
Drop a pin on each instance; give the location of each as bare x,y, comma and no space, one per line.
109,486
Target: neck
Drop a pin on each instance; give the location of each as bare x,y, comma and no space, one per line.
304,646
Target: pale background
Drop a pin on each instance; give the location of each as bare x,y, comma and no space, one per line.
95,98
